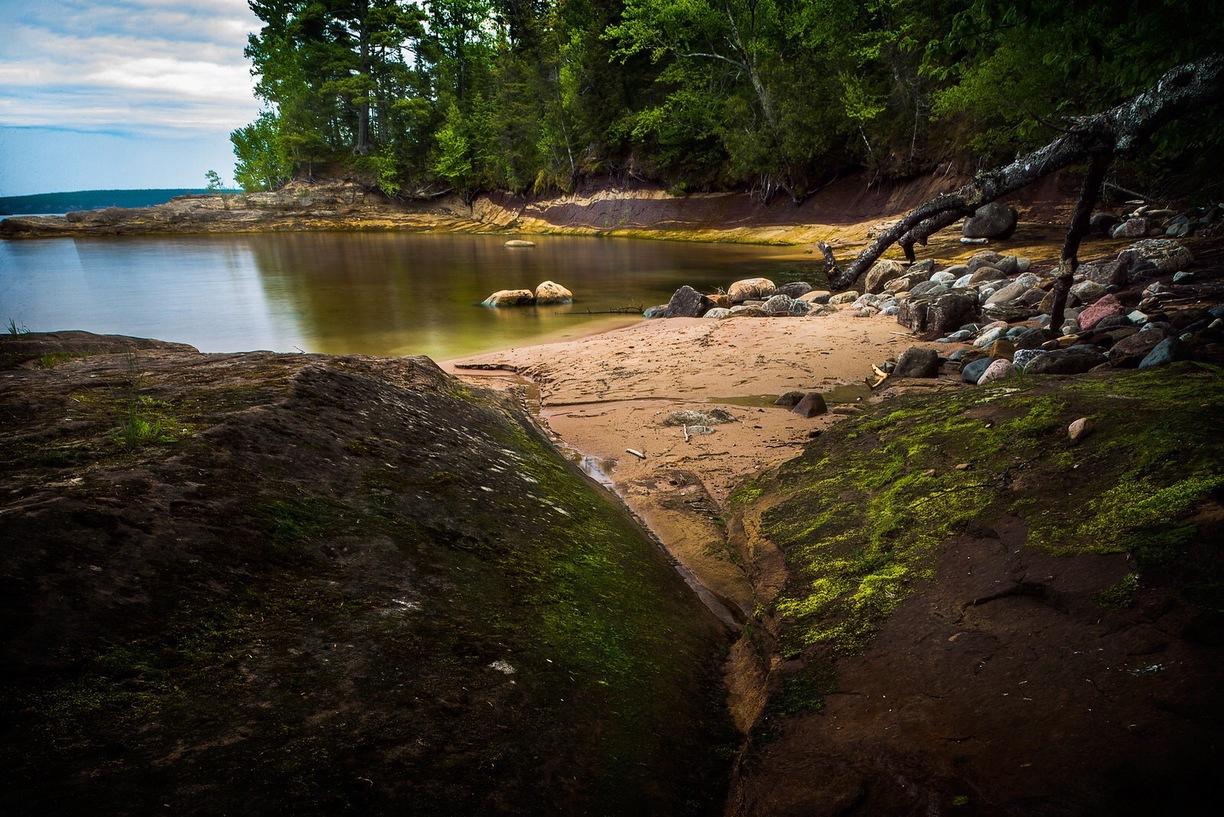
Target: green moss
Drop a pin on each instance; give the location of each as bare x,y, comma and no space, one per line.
1119,595
862,515
804,691
52,359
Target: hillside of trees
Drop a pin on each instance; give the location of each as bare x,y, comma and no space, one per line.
772,96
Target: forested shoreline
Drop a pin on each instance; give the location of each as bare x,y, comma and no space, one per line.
772,96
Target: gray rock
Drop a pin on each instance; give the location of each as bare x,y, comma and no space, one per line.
659,311
1165,255
917,361
816,296
1102,223
1072,360
1131,228
1023,357
988,337
881,272
972,371
780,305
986,258
1088,291
983,274
1164,352
811,405
1008,293
844,297
795,288
959,336
687,302
943,277
937,316
963,281
790,399
718,312
906,282
1106,273
1132,350
994,220
745,311
1030,338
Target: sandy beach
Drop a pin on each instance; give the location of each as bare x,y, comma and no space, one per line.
609,392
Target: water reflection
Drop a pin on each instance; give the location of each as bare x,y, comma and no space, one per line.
377,293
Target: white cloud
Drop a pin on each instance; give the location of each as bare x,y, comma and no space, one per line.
172,67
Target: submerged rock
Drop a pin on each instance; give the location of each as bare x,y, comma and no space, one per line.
509,297
811,405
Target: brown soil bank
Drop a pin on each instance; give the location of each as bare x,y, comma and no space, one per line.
274,584
840,212
964,613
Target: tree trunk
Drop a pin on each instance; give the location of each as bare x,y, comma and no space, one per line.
1069,260
1119,130
363,108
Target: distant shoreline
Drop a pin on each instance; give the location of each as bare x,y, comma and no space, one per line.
61,203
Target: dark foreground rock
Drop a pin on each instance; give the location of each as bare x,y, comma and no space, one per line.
964,612
290,584
994,220
917,361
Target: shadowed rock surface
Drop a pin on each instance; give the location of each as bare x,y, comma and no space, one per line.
271,584
967,612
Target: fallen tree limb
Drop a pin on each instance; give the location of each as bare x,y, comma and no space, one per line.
1118,131
1069,260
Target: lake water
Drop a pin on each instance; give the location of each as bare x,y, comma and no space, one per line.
370,293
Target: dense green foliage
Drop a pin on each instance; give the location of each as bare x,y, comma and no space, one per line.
774,95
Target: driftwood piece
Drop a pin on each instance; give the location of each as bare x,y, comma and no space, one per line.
1118,131
1080,224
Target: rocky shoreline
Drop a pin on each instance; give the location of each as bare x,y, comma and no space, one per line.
843,213
1150,305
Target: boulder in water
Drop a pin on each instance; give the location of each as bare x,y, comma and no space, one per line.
509,297
549,292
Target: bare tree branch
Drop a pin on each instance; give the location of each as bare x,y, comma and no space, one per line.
1118,131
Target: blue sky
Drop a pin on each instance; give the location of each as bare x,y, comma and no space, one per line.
128,93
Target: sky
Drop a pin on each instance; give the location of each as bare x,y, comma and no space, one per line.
120,94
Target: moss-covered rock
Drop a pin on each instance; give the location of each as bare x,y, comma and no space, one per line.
342,585
943,536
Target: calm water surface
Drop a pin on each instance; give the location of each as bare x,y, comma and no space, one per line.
372,293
